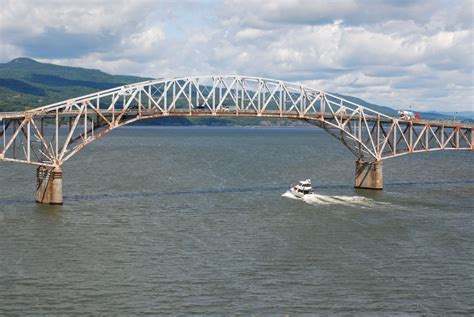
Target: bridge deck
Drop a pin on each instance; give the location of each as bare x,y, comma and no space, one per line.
230,113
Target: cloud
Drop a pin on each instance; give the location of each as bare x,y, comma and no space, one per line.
250,34
267,14
389,52
29,18
57,44
9,51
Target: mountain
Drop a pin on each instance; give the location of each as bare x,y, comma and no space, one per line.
26,83
382,109
464,114
432,115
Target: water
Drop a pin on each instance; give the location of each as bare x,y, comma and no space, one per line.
198,220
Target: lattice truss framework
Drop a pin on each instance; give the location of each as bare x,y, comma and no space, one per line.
50,135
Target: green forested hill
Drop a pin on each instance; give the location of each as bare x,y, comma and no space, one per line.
25,83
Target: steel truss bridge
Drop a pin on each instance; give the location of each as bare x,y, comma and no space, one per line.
48,136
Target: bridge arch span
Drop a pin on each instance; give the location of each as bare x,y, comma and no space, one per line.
48,136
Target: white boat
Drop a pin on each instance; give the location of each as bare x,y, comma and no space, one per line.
303,188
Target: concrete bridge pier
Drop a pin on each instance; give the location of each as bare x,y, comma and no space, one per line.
49,186
368,175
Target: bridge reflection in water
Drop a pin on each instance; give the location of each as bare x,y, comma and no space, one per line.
50,135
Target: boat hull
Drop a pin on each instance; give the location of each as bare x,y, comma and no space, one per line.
296,193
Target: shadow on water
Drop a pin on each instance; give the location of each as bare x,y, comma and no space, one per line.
51,210
105,196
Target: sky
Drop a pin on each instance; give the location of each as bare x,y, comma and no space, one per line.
402,54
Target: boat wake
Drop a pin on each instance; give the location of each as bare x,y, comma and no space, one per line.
318,199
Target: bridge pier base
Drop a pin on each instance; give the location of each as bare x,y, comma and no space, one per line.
49,186
368,175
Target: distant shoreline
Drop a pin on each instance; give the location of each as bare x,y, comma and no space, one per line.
146,126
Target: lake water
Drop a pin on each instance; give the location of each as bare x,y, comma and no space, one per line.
196,220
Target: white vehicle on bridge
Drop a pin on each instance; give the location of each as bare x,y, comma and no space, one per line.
226,108
406,115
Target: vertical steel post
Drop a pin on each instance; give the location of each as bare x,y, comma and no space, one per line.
472,139
165,100
427,140
395,138
442,137
197,92
220,101
242,102
14,138
140,102
302,104
28,149
149,97
190,97
4,133
378,136
280,106
457,137
213,91
173,100
114,100
85,123
57,135
258,97
359,127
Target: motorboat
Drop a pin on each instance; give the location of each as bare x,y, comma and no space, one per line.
302,188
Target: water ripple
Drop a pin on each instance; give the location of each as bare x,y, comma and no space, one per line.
208,191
